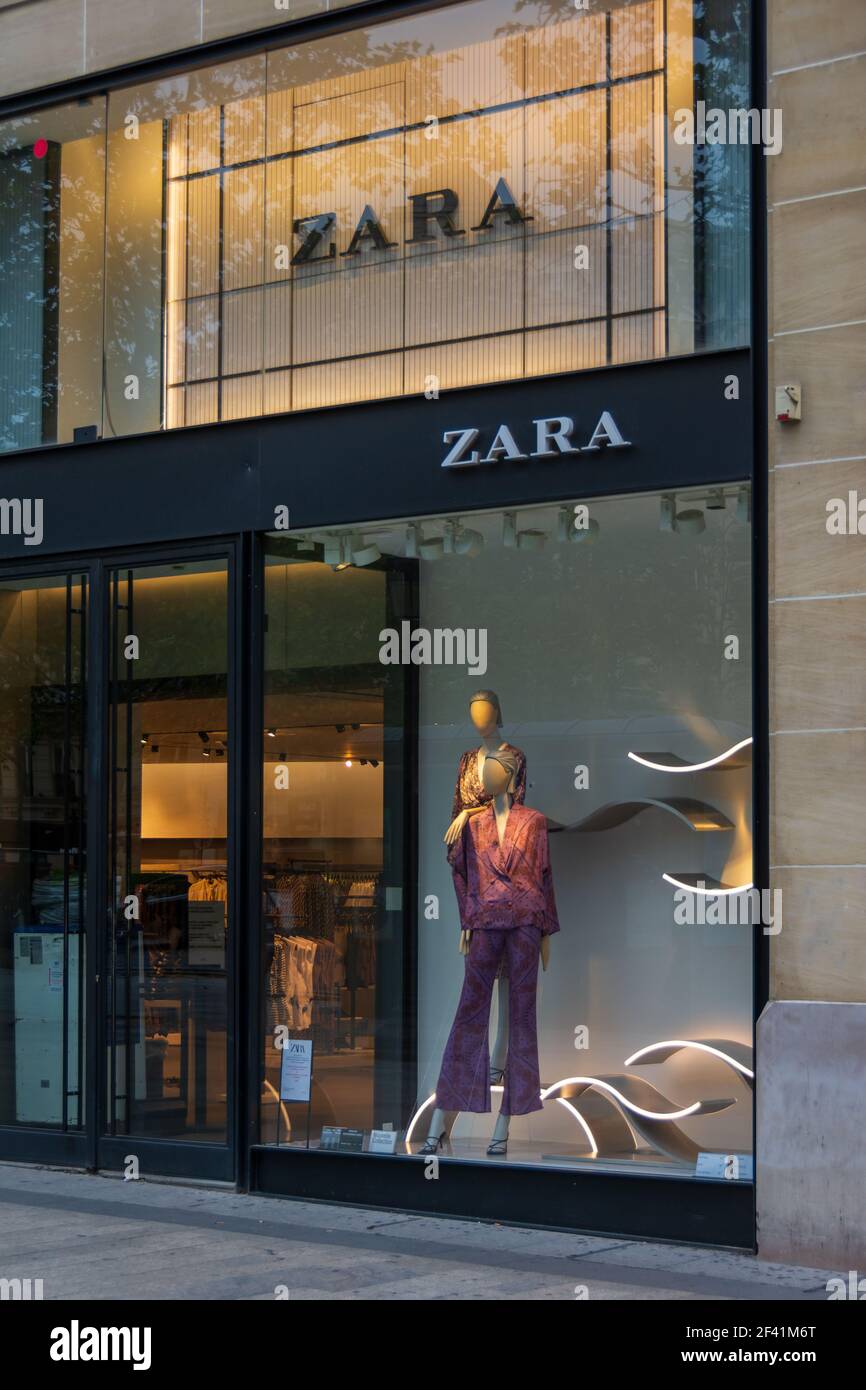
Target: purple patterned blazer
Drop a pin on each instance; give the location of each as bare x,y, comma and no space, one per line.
507,885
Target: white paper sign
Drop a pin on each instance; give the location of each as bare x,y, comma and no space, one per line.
207,933
296,1069
382,1141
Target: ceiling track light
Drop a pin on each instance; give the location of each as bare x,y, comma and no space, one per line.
509,530
691,522
716,500
413,540
333,549
531,540
271,733
432,548
205,738
366,555
668,512
469,543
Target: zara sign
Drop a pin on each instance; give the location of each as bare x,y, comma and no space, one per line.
553,436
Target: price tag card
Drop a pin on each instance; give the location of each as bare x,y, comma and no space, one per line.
383,1141
351,1140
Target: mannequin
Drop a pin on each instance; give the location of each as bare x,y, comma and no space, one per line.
502,879
470,797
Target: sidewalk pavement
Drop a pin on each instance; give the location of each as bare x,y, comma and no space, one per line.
98,1237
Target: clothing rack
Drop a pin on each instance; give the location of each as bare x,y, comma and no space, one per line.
316,905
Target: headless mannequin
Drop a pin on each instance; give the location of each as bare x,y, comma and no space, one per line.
497,781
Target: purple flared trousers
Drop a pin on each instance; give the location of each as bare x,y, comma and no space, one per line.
464,1081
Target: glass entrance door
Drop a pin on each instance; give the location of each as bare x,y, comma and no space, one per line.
42,865
166,1001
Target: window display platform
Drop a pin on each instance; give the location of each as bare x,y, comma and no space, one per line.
626,1201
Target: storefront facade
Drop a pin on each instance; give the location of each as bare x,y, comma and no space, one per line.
406,358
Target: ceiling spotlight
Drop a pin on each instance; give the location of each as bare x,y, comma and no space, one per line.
716,500
271,733
366,555
667,513
333,550
374,762
691,522
143,739
469,543
509,530
348,762
588,533
363,762
205,752
432,548
531,540
413,537
205,738
356,726
220,752
563,523
450,537
744,504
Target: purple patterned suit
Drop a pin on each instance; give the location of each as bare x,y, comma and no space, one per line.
505,897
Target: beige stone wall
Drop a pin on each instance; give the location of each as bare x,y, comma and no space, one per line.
46,41
817,240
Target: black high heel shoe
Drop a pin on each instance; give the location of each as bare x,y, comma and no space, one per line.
498,1148
433,1143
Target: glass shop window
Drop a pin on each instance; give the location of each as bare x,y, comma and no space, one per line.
52,202
508,843
488,192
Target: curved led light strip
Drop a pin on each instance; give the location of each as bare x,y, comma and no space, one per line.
707,892
567,1105
272,1087
426,1106
415,1118
621,1099
679,1043
691,767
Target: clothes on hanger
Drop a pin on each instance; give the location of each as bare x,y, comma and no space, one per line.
322,939
208,887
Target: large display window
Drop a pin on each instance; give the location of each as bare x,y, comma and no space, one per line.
508,840
487,192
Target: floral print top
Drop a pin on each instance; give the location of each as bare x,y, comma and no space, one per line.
469,790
